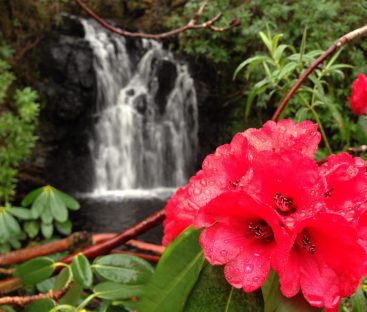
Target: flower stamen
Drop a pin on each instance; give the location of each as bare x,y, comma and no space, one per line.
304,241
260,229
284,205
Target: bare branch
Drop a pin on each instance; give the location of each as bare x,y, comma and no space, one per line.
357,150
150,258
24,300
192,24
337,44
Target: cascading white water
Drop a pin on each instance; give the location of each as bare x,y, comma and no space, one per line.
142,139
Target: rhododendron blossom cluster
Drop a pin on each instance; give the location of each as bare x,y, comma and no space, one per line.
358,99
264,203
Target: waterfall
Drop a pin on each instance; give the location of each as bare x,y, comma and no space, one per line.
146,128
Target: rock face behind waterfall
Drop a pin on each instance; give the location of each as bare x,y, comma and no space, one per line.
81,103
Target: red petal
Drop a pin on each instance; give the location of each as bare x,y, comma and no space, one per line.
285,135
251,268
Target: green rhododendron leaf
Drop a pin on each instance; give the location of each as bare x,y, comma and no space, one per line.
30,197
42,305
63,279
125,269
213,293
64,227
58,207
35,270
276,302
116,291
69,201
47,230
31,228
175,275
12,224
82,271
21,213
39,204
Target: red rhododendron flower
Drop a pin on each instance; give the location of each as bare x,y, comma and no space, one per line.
345,185
263,202
223,170
358,100
288,183
242,237
325,261
285,135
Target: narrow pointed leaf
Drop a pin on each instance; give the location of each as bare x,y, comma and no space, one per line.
175,275
115,291
12,224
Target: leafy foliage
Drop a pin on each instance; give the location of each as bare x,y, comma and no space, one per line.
48,208
18,116
280,69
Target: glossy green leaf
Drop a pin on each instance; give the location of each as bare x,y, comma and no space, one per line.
63,279
21,213
58,207
64,227
47,230
276,302
175,275
31,228
115,291
124,269
35,270
46,285
213,293
46,216
69,201
42,305
72,296
64,308
82,271
30,197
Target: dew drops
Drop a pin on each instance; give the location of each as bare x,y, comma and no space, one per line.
255,279
256,254
248,268
223,253
203,182
197,191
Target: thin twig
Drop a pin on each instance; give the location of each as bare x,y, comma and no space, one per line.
192,24
157,249
73,242
121,238
24,300
150,258
357,150
337,44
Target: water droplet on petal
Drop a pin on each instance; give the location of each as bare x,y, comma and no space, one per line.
223,253
256,254
197,191
248,268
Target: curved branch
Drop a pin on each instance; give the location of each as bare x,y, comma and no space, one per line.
24,300
192,24
337,44
121,238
